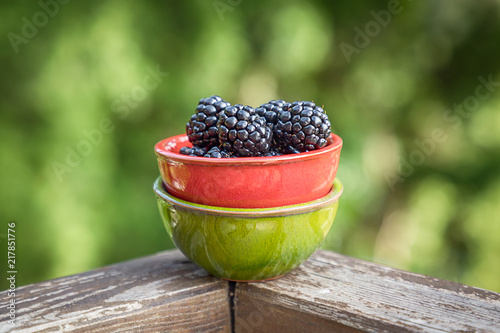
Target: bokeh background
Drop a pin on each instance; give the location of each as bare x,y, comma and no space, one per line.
413,88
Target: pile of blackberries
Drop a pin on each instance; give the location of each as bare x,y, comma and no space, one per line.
221,130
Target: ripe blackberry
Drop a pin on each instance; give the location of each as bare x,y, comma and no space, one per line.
273,152
271,109
216,152
201,128
242,132
303,127
195,151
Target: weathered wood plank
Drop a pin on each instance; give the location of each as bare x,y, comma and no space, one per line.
335,293
159,293
329,293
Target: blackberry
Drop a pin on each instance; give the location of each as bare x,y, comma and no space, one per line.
287,149
303,127
201,128
243,133
273,152
271,110
195,151
216,152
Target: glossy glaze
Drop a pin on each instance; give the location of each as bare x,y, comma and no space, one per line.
247,244
248,182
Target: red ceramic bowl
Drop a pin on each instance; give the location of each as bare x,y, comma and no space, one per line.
248,182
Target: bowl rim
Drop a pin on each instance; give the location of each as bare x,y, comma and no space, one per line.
332,197
161,151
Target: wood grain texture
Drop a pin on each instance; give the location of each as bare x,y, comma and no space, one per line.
329,293
335,293
159,293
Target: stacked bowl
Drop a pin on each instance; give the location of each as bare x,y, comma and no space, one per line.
248,218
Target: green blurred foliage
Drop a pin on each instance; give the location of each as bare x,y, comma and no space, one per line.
413,199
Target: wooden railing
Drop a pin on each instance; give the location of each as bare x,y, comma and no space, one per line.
329,293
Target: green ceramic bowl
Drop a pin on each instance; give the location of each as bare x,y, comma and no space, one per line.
247,244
